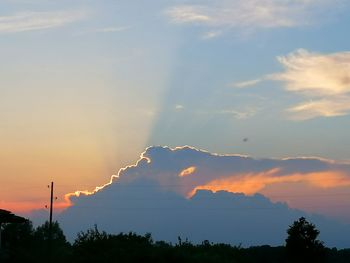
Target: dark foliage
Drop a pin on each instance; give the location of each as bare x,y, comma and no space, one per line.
96,246
52,244
23,243
302,244
17,241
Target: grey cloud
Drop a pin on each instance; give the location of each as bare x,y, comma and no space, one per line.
150,196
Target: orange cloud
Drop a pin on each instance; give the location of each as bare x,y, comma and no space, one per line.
188,171
328,179
252,183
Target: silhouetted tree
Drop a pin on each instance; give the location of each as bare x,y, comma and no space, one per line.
57,246
302,244
17,240
43,233
91,246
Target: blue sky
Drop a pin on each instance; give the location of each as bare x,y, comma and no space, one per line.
86,85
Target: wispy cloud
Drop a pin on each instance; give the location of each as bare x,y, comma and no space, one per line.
315,74
179,107
189,14
323,79
245,84
334,107
112,29
212,34
30,21
251,14
241,114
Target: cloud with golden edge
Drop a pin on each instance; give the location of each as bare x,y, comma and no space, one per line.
180,172
248,182
153,188
68,197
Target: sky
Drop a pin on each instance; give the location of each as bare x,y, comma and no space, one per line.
86,86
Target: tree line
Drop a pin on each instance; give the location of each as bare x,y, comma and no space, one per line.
24,243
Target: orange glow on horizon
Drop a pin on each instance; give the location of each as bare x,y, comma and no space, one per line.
28,207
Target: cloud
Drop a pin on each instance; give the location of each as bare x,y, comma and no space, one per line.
164,165
188,14
112,29
245,84
179,107
252,183
212,34
166,193
315,74
336,106
188,171
30,21
78,193
241,114
251,14
323,79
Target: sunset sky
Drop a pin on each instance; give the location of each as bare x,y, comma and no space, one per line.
87,85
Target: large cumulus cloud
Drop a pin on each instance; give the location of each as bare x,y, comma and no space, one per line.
199,195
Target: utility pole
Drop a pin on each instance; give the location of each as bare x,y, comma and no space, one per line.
50,225
51,207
